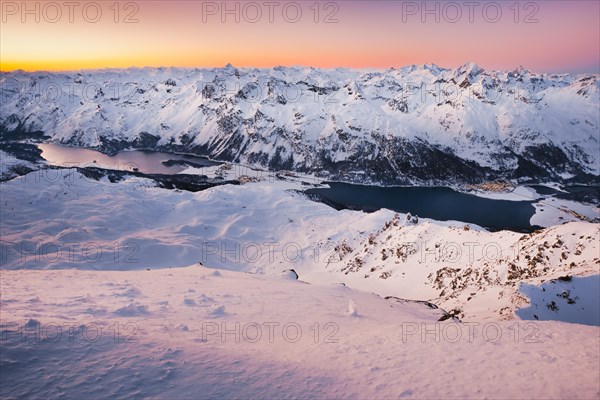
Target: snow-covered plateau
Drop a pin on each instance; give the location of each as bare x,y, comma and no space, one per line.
195,333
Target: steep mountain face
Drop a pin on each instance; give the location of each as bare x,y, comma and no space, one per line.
418,124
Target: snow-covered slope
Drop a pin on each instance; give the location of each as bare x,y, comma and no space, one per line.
469,270
413,124
55,219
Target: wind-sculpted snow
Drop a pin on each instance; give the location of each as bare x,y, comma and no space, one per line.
275,339
416,124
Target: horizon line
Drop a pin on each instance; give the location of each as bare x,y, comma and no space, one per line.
134,67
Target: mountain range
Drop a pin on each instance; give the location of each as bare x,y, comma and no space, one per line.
420,124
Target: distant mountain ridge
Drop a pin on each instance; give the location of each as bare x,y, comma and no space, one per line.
420,124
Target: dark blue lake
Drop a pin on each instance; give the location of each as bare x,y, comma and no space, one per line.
440,203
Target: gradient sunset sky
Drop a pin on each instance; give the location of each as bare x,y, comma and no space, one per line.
544,36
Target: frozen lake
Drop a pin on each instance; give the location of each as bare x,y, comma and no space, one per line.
148,162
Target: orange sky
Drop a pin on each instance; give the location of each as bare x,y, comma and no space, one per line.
87,34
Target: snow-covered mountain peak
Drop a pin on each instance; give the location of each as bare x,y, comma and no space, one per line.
471,69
